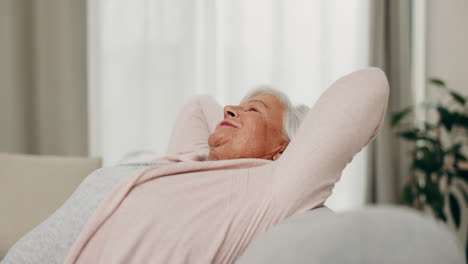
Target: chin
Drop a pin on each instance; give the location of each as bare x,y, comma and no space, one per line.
218,139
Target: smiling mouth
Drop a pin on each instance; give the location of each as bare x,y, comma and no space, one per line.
226,123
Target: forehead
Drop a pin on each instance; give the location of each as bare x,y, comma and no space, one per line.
269,100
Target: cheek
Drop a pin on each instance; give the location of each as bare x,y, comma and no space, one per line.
266,133
275,132
255,131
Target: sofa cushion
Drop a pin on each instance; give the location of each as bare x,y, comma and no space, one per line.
33,187
382,234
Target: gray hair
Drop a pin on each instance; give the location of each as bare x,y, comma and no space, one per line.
293,115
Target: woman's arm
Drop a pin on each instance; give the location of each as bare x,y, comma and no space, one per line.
345,119
195,123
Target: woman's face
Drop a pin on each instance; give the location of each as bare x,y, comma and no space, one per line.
250,130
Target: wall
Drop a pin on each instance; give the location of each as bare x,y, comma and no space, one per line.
447,47
447,42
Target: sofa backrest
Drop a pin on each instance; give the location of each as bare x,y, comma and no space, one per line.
33,187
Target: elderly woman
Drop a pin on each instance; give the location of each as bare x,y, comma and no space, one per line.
230,175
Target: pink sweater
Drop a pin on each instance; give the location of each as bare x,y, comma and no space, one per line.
198,211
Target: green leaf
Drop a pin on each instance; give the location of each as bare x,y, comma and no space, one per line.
410,135
460,156
434,198
433,194
437,82
427,159
446,117
398,116
455,210
416,134
460,119
407,195
458,97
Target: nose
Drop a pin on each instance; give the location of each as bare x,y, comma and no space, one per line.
231,110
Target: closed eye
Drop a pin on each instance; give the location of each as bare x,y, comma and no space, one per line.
253,109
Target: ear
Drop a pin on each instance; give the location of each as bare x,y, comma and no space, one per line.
278,153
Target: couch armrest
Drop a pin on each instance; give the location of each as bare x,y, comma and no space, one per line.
33,187
383,234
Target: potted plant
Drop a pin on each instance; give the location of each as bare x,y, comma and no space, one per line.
438,180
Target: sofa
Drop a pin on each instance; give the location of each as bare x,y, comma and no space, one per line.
33,187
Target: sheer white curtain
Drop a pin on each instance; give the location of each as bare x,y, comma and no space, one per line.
147,57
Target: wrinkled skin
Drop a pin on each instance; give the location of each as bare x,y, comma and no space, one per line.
257,132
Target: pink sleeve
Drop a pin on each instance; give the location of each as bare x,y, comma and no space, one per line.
346,118
195,123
